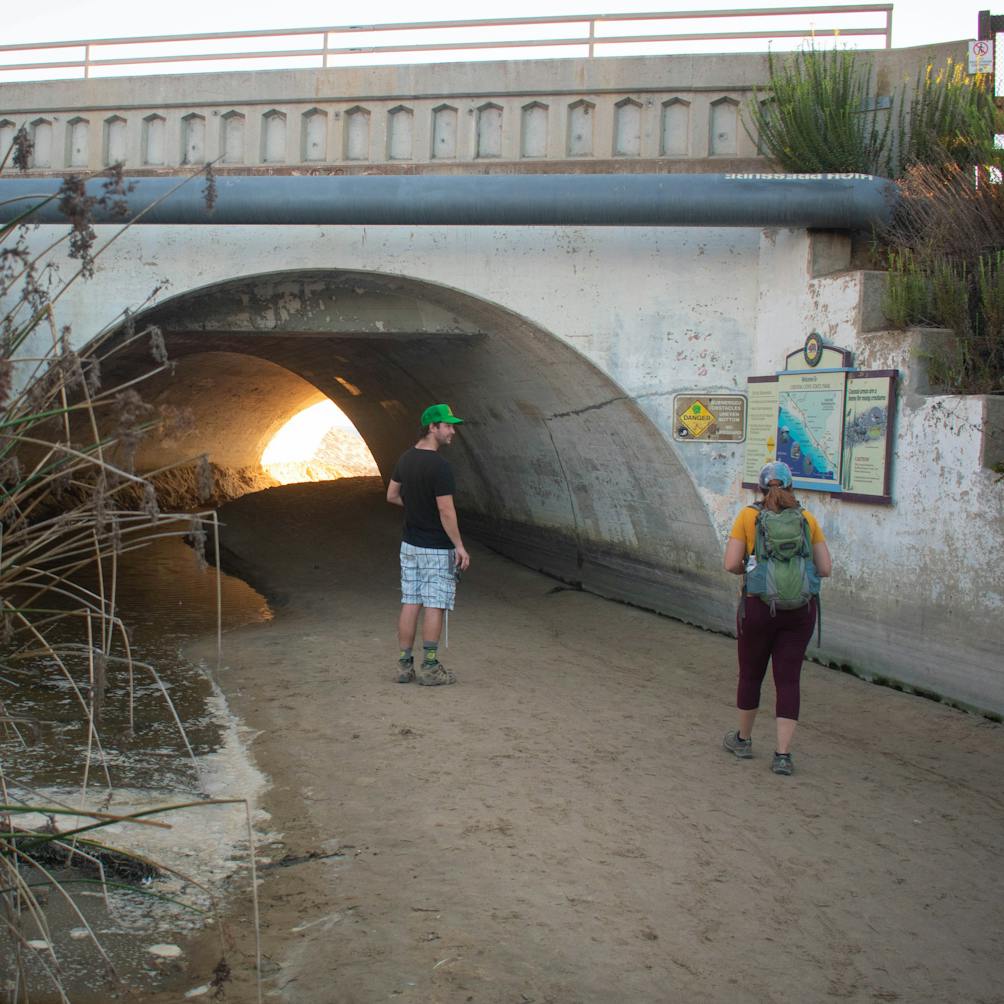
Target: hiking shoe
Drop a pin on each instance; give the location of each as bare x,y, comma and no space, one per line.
782,764
433,674
743,748
406,670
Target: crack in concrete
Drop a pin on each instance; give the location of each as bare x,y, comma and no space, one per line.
589,407
613,400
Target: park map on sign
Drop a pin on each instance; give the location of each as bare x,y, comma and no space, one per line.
809,432
810,419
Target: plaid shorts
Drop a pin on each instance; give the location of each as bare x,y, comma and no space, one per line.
428,576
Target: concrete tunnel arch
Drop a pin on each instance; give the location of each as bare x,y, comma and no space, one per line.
557,466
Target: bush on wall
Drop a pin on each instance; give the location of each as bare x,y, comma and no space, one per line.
821,113
944,249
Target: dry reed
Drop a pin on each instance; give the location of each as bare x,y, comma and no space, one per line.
68,505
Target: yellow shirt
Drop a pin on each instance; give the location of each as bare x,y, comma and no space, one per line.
744,528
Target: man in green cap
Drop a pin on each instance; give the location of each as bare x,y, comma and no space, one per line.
432,552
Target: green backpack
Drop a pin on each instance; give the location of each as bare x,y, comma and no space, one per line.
783,573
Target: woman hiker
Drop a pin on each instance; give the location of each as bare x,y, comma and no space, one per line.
767,632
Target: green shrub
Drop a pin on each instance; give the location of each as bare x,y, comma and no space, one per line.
908,292
945,246
990,280
968,299
818,114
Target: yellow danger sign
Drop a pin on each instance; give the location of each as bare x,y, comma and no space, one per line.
709,418
697,419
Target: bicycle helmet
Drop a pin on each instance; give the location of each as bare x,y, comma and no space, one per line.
776,470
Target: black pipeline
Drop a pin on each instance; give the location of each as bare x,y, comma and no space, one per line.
838,202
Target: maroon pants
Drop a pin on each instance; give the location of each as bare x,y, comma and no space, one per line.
782,640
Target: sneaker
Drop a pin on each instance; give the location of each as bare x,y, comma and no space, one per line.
434,674
743,748
406,670
782,764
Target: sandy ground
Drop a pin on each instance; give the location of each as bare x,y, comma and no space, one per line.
563,825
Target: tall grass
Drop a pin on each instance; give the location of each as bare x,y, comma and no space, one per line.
966,297
950,117
71,502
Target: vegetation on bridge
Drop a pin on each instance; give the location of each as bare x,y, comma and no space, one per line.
944,249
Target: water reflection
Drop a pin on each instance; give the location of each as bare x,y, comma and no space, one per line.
166,600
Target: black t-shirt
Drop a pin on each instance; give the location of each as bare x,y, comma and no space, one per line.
424,476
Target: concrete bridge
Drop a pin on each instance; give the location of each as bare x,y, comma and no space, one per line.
616,114
563,346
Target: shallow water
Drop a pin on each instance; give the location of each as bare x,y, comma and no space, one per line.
166,600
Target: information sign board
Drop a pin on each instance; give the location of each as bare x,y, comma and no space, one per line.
831,426
868,440
761,425
709,418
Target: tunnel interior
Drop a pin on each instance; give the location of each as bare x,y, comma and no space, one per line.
556,466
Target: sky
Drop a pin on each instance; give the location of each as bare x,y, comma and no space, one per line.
915,22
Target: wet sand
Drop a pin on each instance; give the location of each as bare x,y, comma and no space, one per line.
563,825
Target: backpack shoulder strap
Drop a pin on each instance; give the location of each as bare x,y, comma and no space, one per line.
819,598
760,532
807,532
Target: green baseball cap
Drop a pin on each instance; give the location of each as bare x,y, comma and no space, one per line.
440,413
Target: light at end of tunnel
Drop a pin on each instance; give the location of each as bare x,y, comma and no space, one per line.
318,444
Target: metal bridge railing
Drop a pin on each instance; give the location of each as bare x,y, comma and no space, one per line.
580,35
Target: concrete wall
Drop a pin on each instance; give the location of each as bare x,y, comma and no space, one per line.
563,348
668,113
918,596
